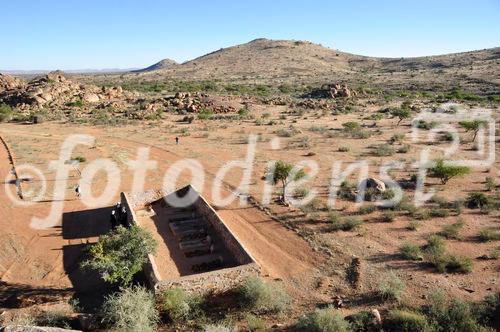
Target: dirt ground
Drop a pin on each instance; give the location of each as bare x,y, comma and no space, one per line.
290,244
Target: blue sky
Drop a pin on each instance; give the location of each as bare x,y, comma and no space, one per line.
95,34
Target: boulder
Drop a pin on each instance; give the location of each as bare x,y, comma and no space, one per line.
376,184
90,97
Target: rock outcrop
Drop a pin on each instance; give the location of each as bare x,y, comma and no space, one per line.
55,90
8,82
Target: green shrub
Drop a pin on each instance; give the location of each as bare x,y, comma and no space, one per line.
422,124
119,255
351,126
404,149
323,320
452,315
179,305
490,183
411,251
388,216
399,137
413,225
406,321
439,213
205,114
421,214
363,321
5,112
487,310
255,324
383,150
459,264
348,224
263,297
434,252
489,234
391,289
477,200
452,231
131,309
446,172
367,209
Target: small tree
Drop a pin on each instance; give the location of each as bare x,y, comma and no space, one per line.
473,126
282,173
118,256
401,113
446,172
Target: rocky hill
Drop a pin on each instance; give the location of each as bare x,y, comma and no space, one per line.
271,61
163,64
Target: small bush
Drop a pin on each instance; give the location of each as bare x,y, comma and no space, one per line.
413,225
205,114
452,231
406,321
454,315
388,216
421,214
434,252
439,213
477,201
404,149
489,234
351,126
411,252
363,321
383,150
255,324
131,309
263,297
367,209
323,320
391,289
348,224
422,124
459,264
490,184
343,149
179,305
5,112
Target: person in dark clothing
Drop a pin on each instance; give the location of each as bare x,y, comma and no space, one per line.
113,220
177,140
124,217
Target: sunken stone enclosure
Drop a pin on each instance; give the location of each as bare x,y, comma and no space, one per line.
196,250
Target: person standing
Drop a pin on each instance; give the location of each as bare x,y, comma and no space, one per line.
78,191
176,140
113,220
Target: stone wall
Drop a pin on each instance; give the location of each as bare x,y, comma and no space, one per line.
214,281
230,240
